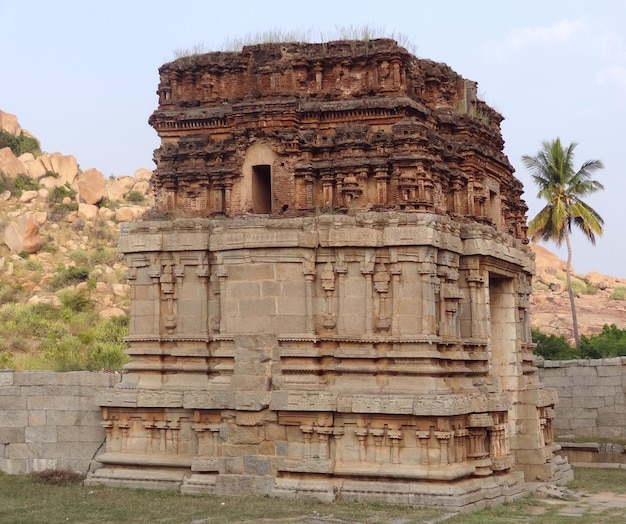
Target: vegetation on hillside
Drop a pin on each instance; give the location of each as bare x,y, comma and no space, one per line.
69,336
20,144
610,343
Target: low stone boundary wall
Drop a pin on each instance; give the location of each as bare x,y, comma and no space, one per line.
592,397
51,420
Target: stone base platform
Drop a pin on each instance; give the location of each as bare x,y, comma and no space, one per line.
465,494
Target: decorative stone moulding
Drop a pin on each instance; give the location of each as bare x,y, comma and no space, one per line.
330,296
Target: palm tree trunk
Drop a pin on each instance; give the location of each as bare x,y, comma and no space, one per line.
568,267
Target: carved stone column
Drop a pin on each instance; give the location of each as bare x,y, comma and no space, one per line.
341,268
378,435
423,437
307,432
444,442
309,275
395,436
427,273
361,435
367,270
328,285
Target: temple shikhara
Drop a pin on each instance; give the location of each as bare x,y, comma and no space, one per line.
330,297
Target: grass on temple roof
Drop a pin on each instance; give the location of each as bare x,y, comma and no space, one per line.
273,36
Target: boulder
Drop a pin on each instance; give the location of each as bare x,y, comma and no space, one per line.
11,165
40,217
65,166
23,235
143,186
143,174
91,186
105,213
87,211
8,123
129,213
5,195
29,196
121,290
118,187
36,169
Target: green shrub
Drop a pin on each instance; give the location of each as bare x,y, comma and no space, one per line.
69,277
60,211
75,302
20,144
578,286
553,347
17,185
136,197
63,338
610,343
619,293
59,193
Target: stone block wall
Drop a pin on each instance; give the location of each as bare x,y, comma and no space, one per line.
51,420
592,397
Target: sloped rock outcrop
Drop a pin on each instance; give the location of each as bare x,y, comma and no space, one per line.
22,234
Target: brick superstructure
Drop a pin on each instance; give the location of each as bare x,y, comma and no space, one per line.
332,296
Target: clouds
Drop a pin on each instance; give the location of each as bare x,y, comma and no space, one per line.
578,40
556,33
612,75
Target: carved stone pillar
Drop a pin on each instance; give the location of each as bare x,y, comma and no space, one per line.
476,282
381,285
309,276
427,274
307,433
124,426
217,323
336,448
378,435
328,285
323,444
460,444
361,435
155,293
396,271
108,433
341,268
203,272
444,442
395,436
367,270
423,437
174,430
149,425
161,426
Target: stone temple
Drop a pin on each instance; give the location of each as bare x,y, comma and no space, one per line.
331,295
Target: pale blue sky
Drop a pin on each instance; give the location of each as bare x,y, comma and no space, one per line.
82,75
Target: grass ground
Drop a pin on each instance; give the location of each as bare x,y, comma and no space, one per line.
24,499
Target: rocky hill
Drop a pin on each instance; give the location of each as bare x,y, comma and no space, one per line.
600,299
54,217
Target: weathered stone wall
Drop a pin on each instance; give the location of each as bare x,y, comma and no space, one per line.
592,396
50,420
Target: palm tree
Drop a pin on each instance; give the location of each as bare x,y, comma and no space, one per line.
562,188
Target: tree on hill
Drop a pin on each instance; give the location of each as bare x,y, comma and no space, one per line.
563,187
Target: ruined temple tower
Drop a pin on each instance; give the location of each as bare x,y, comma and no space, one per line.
330,297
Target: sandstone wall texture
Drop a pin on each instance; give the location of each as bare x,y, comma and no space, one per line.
51,420
592,397
330,297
